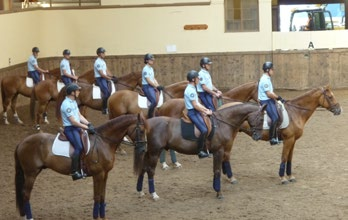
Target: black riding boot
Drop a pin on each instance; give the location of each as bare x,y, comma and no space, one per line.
273,139
105,107
201,144
75,174
150,113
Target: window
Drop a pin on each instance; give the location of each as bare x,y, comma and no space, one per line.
241,15
18,4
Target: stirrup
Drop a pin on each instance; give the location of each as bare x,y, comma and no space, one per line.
202,154
274,141
76,176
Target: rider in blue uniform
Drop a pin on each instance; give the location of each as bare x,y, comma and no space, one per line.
267,96
149,83
102,76
34,71
205,88
73,122
194,110
65,70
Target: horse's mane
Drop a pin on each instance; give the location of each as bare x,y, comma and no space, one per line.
228,106
176,84
241,87
131,75
308,93
121,122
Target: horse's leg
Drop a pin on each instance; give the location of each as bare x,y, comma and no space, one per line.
287,146
99,182
217,173
5,104
13,108
291,177
226,166
140,183
44,114
28,187
150,162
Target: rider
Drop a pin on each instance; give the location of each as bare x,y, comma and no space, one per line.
65,70
205,88
149,83
73,122
267,96
34,71
102,75
195,109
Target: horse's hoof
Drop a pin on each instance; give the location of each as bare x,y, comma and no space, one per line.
155,197
292,179
37,127
20,121
141,194
284,182
233,180
6,122
219,196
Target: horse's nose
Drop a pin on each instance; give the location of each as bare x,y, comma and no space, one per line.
337,111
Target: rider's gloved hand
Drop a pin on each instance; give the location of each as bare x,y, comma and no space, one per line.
91,129
159,88
280,99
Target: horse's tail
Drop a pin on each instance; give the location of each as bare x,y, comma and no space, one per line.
60,99
32,104
3,92
19,183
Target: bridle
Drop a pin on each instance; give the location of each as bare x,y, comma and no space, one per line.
332,106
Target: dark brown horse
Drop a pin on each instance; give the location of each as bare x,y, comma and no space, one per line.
242,93
34,154
44,92
14,85
126,102
300,109
165,133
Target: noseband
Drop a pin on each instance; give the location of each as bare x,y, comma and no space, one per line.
332,106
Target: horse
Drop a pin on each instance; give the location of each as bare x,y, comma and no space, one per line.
126,102
44,92
12,86
34,153
299,109
241,93
165,133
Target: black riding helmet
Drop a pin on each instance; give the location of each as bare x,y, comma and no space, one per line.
267,66
100,50
71,88
66,52
191,75
204,61
35,50
148,56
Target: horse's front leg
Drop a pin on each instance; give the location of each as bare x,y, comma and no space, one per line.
217,173
285,164
13,108
150,163
99,182
227,168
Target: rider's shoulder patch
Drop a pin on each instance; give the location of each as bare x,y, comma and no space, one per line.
68,110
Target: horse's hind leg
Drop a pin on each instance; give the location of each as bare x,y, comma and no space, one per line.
217,173
28,187
5,104
13,108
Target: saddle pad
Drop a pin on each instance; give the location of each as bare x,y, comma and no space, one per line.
29,82
144,103
62,148
60,85
285,122
97,92
188,131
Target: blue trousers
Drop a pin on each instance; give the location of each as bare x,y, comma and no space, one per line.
150,93
73,135
197,119
207,100
35,75
66,80
271,109
103,84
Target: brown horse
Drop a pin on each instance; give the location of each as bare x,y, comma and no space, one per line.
126,102
44,92
243,93
34,154
165,133
14,85
300,109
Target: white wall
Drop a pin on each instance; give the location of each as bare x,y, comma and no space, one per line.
138,30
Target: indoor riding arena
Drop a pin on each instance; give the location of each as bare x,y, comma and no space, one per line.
310,73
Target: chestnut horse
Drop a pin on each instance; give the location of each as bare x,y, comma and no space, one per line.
34,154
47,91
300,109
14,85
165,133
126,102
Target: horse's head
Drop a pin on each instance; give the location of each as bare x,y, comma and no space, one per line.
255,121
329,101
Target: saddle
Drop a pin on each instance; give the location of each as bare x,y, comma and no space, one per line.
83,135
282,114
190,131
143,102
